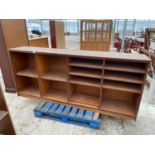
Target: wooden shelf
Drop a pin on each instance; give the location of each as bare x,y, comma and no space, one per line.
86,81
85,99
122,86
29,72
94,73
57,76
3,114
124,77
118,107
87,64
56,94
30,91
82,78
125,68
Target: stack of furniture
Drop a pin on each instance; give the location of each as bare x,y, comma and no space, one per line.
108,83
95,35
57,34
6,126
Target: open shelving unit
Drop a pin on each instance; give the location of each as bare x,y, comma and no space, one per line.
6,125
111,84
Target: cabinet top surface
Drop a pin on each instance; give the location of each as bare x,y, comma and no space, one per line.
82,53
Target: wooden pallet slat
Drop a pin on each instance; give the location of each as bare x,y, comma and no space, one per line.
46,107
66,110
60,109
80,113
53,108
73,111
89,114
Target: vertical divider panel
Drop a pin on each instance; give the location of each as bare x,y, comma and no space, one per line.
68,78
37,67
102,81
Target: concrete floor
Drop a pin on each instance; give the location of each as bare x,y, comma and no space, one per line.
21,110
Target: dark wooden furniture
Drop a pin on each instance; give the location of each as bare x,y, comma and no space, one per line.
57,34
6,125
109,83
95,35
13,33
39,42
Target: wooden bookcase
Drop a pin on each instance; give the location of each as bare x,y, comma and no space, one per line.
95,35
109,83
6,126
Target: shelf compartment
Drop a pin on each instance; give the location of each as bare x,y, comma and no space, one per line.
118,102
56,94
122,86
85,81
124,66
124,77
52,67
24,64
30,72
28,86
87,63
84,95
86,72
54,90
118,107
57,76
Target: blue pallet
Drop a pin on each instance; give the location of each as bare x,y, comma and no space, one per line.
68,114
